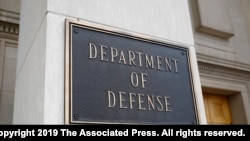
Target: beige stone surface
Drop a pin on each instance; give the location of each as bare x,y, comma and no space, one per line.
215,18
6,107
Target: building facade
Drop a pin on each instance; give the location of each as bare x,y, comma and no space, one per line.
32,45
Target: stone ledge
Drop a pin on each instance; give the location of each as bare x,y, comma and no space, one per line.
9,30
223,71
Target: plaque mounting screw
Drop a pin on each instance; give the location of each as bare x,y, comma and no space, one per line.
193,122
183,53
76,31
76,116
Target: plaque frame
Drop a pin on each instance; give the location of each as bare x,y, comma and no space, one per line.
196,89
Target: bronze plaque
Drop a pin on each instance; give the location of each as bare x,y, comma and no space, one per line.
115,76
